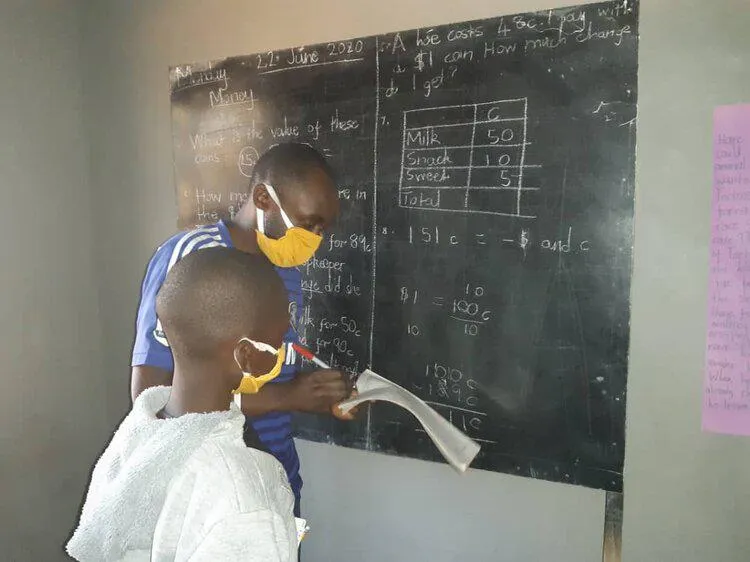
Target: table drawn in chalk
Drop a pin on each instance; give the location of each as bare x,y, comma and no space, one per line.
467,159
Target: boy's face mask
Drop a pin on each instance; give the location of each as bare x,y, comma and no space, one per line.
250,383
294,248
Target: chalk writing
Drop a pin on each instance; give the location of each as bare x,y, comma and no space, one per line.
223,97
187,77
566,241
469,309
247,160
453,393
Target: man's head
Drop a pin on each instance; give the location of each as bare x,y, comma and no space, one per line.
210,301
304,183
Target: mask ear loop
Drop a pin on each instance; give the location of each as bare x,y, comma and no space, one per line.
238,396
260,346
259,219
275,199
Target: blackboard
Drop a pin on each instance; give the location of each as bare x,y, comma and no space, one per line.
482,258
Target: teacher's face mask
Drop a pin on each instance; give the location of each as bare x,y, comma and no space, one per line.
252,383
294,248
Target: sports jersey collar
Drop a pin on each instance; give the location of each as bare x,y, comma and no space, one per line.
224,231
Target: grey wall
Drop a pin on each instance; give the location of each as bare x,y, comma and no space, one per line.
87,152
52,418
684,489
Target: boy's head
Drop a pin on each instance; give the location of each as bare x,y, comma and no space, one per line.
210,301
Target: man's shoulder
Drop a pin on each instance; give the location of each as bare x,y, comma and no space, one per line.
184,242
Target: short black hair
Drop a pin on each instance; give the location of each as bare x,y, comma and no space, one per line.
215,294
288,164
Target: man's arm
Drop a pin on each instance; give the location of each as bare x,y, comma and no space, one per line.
314,393
146,376
151,359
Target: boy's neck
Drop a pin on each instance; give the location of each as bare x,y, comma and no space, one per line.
197,391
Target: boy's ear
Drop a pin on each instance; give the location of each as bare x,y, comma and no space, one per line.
242,355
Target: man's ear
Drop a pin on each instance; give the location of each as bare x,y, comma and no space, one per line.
261,199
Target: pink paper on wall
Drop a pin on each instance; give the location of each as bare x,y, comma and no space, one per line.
726,400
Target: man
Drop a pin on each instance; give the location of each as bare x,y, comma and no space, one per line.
292,201
177,481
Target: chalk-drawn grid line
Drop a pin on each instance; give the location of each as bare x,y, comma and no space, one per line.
471,146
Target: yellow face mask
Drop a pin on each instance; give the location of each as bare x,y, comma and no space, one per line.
251,384
294,248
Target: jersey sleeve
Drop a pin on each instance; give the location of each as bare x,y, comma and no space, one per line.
292,279
151,346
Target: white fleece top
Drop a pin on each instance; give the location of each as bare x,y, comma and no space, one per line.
185,489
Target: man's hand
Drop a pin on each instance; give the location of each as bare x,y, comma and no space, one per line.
349,415
318,391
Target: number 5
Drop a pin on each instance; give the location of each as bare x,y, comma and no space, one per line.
505,180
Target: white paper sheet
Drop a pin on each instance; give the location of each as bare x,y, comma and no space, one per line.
302,529
457,448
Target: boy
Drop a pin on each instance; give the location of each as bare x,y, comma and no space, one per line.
177,481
